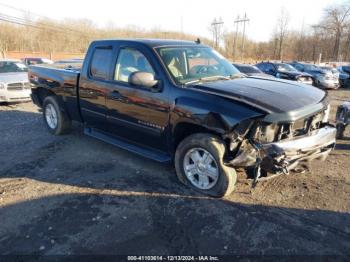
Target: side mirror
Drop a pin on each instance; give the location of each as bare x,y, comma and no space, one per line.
144,79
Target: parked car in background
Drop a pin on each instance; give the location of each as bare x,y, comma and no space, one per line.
285,71
36,60
251,70
184,103
333,70
344,76
322,78
342,118
14,83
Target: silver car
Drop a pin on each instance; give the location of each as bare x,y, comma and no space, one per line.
14,83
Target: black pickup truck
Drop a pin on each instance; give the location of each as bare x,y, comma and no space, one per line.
182,102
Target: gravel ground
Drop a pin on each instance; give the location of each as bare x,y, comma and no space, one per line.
76,195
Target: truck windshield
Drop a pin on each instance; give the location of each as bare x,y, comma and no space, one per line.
195,64
12,67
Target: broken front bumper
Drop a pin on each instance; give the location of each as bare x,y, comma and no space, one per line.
283,156
286,155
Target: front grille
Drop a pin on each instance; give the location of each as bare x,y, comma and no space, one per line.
267,133
18,86
303,126
299,125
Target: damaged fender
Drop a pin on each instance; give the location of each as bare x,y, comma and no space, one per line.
220,115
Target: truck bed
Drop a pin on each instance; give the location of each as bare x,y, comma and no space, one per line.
76,67
60,80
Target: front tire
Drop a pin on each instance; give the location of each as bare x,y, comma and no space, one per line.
199,164
56,121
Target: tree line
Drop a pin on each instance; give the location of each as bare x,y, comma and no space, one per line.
328,40
71,36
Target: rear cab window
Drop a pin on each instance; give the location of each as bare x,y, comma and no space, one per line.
100,63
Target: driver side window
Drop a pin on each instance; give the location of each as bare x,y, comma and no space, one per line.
129,61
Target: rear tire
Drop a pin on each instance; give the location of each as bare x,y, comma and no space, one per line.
56,120
202,156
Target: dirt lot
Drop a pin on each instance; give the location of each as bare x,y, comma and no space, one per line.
75,195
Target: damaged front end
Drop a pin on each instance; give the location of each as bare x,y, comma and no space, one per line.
279,147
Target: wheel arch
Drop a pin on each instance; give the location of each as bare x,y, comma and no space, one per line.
42,93
185,129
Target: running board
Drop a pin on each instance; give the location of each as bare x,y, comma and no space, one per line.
142,151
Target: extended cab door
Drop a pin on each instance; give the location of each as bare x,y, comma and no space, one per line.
94,84
137,113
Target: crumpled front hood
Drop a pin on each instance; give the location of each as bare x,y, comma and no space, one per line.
8,78
272,96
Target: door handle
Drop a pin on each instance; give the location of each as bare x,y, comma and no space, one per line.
116,94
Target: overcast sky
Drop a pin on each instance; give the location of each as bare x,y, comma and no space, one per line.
194,16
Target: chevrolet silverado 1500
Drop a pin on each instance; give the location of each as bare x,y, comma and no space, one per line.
182,102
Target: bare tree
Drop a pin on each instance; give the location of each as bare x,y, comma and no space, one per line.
336,19
7,36
282,31
347,45
300,43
